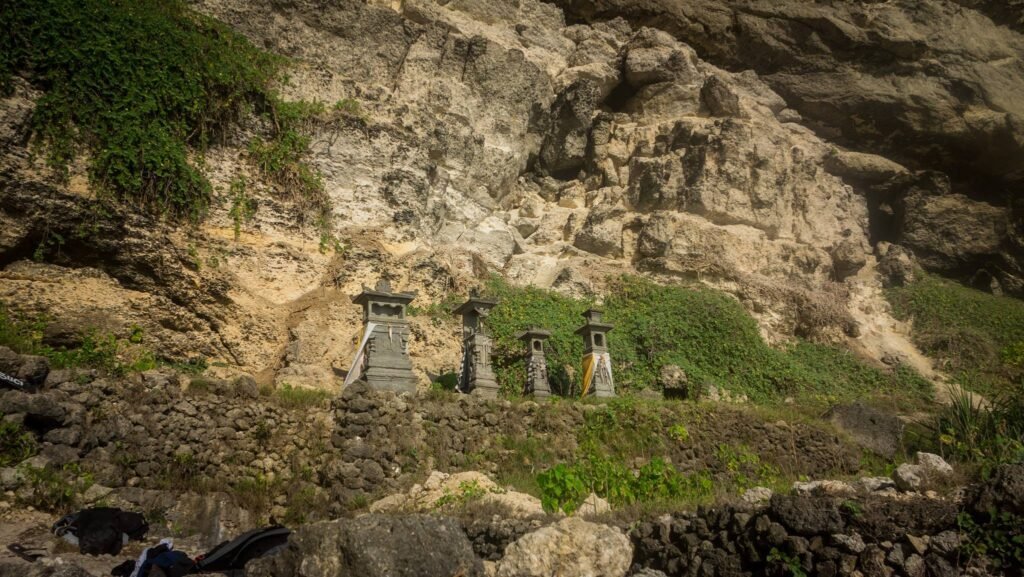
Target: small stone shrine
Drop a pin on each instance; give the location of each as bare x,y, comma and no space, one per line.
597,363
475,373
383,356
536,364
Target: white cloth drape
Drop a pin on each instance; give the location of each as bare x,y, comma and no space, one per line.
357,364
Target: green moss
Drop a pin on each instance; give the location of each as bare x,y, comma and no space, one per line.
977,336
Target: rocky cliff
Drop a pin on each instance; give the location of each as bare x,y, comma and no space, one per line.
775,150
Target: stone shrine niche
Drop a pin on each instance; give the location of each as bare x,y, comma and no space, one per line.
475,373
383,356
537,383
597,366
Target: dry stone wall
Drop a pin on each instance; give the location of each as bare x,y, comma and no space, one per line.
150,431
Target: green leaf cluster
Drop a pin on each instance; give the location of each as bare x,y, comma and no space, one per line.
987,436
52,488
997,535
522,308
16,444
142,87
565,487
105,351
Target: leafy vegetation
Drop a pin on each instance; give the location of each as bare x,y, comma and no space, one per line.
291,397
997,535
521,308
143,88
139,85
619,434
281,157
16,444
565,487
789,563
117,356
703,331
243,207
987,436
54,489
977,336
468,492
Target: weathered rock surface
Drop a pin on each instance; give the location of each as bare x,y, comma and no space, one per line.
494,137
374,546
928,471
875,430
930,85
570,548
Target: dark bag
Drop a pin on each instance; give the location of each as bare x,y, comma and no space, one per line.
173,564
102,530
234,554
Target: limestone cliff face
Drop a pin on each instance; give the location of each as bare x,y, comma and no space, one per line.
762,147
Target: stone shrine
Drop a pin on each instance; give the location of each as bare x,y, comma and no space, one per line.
536,364
383,356
475,373
597,363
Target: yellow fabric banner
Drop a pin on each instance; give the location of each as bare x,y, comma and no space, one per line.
588,373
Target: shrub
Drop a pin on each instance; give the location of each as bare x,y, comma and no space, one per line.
143,88
136,84
54,489
996,535
565,487
468,492
16,444
521,308
987,436
117,356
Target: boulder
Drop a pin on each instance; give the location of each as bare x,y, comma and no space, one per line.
675,384
862,168
953,233
30,369
896,265
593,505
848,257
933,465
653,56
570,548
719,99
908,477
872,429
374,546
823,488
757,495
928,471
1004,491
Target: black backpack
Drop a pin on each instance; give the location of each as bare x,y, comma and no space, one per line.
102,530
